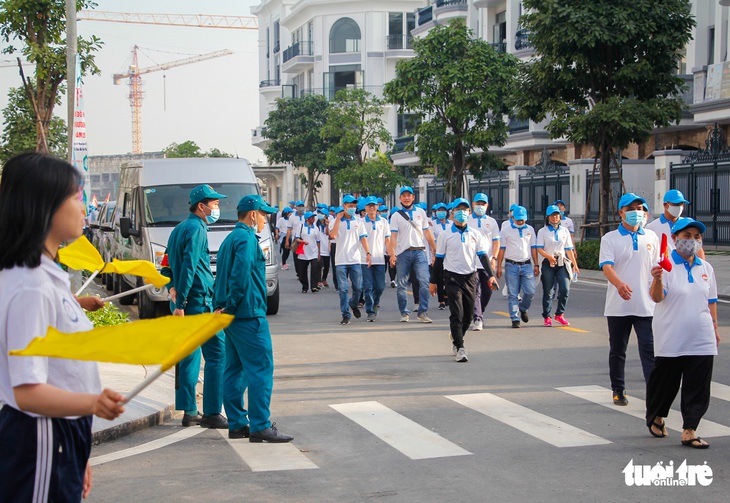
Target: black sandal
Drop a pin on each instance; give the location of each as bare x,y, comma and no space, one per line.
695,443
662,427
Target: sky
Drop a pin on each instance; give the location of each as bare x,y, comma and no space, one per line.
213,103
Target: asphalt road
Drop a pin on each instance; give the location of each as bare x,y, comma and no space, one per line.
381,412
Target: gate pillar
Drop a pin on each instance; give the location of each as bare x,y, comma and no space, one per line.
663,160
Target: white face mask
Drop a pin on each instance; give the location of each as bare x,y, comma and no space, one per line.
675,211
480,210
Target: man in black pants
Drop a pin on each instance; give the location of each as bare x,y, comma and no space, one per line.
458,251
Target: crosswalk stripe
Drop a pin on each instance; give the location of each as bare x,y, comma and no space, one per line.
636,408
398,431
183,434
265,457
533,423
720,391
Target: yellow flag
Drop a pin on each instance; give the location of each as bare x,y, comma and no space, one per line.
81,255
161,341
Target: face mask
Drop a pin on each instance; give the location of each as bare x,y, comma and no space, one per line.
215,214
440,215
675,211
688,247
461,216
634,218
384,214
351,211
480,210
520,226
300,210
320,217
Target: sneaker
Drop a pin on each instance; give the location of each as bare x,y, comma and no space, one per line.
392,284
516,324
371,317
404,318
315,290
461,355
304,290
423,318
325,284
360,304
345,320
478,325
442,306
377,310
356,312
561,319
548,322
285,267
524,317
320,285
619,398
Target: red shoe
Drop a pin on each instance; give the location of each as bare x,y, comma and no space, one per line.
548,322
561,319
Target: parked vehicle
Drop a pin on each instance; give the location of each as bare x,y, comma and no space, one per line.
154,197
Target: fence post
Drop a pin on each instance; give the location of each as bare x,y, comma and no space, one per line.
514,183
663,160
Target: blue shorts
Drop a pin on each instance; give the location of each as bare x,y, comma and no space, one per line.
41,458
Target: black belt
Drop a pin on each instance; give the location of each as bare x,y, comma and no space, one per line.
515,262
416,248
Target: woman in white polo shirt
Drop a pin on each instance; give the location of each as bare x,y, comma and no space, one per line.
45,424
685,335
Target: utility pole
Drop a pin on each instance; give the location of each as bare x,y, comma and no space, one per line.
71,49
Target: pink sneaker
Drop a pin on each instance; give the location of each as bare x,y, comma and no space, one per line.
548,322
561,319
285,267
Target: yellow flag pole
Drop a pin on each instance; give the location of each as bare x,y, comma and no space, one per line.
129,292
83,287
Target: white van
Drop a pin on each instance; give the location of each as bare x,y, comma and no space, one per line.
154,197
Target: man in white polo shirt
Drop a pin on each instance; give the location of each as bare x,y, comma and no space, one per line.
518,248
410,234
308,234
674,203
626,258
488,227
373,276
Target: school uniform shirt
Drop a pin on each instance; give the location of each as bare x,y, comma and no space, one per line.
461,249
504,225
295,220
324,240
489,229
31,300
517,243
554,240
408,236
312,236
663,226
378,231
682,323
349,251
438,227
632,255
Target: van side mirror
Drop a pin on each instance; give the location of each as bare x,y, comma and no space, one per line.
125,228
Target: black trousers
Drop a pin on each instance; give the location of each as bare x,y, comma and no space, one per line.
461,292
619,329
695,374
325,268
284,253
333,252
391,269
314,273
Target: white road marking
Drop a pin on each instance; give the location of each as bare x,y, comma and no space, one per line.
637,408
183,434
398,431
265,457
720,391
533,423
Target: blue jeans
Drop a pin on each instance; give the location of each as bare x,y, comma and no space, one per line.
373,284
354,271
550,277
415,259
519,277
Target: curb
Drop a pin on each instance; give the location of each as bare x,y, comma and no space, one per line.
129,427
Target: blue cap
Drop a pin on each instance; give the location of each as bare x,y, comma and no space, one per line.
339,209
202,192
675,197
309,214
287,210
380,200
299,203
629,198
422,205
291,202
460,201
551,210
513,206
382,207
349,198
407,188
360,205
370,200
519,213
481,196
254,202
333,208
683,223
450,206
439,206
559,201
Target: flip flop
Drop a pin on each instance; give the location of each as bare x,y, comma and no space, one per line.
662,427
695,443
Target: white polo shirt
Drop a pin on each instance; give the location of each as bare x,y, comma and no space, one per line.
517,243
461,249
312,237
282,225
663,226
567,222
554,240
295,220
632,256
438,227
324,239
682,323
349,251
377,232
407,236
31,300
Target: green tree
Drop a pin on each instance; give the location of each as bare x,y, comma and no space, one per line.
459,87
214,152
19,132
374,176
185,149
293,129
39,27
605,72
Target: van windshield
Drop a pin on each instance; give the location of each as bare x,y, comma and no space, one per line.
168,205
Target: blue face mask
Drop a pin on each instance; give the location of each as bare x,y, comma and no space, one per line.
520,226
440,215
320,216
215,214
461,216
634,217
351,211
384,214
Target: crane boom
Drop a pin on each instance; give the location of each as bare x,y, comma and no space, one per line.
194,20
166,66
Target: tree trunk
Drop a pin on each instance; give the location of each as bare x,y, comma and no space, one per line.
458,178
605,187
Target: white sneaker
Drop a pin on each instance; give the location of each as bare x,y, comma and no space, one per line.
423,318
461,355
454,349
405,318
477,326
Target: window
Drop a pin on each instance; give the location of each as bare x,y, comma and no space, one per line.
345,36
407,124
711,45
399,29
277,45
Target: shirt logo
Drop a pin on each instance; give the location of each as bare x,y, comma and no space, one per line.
649,246
705,277
70,311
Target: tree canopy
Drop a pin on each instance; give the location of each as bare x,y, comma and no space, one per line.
605,72
459,86
189,149
374,176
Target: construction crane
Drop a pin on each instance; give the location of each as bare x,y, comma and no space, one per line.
195,20
135,87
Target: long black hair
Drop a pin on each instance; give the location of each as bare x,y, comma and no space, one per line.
32,188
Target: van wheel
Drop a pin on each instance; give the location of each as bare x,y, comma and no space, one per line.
272,304
145,305
162,309
127,300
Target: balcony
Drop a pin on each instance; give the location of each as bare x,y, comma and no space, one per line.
270,83
398,42
400,144
500,47
270,88
518,125
445,10
485,4
522,40
425,15
298,57
258,139
330,93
